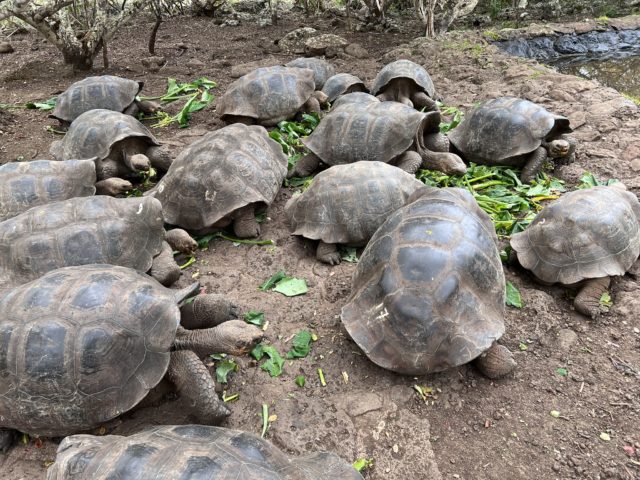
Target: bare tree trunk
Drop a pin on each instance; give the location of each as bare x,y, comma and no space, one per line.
154,33
348,8
105,54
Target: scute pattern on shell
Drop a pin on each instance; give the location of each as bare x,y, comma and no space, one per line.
81,345
584,234
347,203
221,172
522,126
429,290
80,231
93,134
322,69
190,451
28,184
363,130
340,83
105,91
268,94
404,69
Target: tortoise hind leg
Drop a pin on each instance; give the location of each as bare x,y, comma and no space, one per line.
192,380
587,300
409,161
496,362
533,164
245,224
207,311
328,253
8,437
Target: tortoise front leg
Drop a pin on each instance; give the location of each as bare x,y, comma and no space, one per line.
587,300
207,311
305,166
533,164
192,379
164,268
245,224
328,253
234,337
409,161
422,100
496,362
8,437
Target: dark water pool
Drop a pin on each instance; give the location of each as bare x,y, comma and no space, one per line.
620,72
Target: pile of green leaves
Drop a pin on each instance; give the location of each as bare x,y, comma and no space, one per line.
511,204
289,286
43,105
452,115
197,95
300,348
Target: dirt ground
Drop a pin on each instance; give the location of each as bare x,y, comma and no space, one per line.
470,427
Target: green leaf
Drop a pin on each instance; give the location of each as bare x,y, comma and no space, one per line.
291,287
271,282
522,347
224,368
300,381
348,254
513,296
188,263
44,105
275,362
562,372
254,317
554,413
257,352
362,464
301,345
605,300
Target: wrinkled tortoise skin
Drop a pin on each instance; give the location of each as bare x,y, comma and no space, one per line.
82,345
340,83
347,203
322,69
80,231
189,452
28,184
404,69
219,173
429,291
105,91
268,94
95,132
503,130
363,130
584,234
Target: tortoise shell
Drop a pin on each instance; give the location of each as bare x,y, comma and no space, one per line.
28,184
347,203
354,97
322,69
341,83
219,173
584,234
429,291
80,231
81,345
268,94
190,452
404,69
364,130
95,132
522,126
104,91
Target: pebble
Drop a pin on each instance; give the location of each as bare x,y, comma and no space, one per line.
635,165
6,47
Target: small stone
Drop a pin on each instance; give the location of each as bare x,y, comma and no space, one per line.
635,165
356,50
556,467
6,47
195,63
566,338
153,63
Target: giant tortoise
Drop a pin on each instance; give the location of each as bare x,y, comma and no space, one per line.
513,131
429,291
360,127
585,237
103,91
82,345
222,179
84,230
268,95
120,144
190,452
406,82
347,203
322,69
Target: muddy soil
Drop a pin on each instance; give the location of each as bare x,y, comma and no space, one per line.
470,427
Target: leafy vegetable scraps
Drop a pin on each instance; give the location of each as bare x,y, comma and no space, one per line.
290,134
198,96
511,204
275,362
513,296
301,345
284,284
224,368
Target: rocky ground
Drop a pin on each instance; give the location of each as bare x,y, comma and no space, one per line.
469,427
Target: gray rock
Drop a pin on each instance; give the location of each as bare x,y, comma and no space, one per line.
6,47
325,44
294,41
356,50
